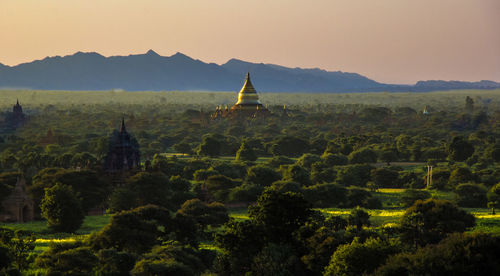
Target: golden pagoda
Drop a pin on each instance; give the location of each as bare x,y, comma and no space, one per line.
248,104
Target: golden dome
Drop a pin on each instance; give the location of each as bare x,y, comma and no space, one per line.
248,95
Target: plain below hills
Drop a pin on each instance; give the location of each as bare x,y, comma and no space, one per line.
150,71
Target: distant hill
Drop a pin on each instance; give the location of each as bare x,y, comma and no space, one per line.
150,71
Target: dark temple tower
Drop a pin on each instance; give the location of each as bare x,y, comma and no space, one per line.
123,152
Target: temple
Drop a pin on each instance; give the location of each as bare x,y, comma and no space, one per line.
247,106
123,152
18,206
16,118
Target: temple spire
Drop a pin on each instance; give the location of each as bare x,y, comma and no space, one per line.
122,128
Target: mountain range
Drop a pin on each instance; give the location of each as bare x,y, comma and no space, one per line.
152,72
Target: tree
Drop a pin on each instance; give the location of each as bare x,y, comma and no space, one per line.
214,214
334,159
460,149
325,195
134,231
409,196
219,186
388,155
362,198
172,258
469,104
385,178
284,186
362,156
321,173
114,263
297,174
279,160
15,248
306,160
359,258
275,259
67,259
354,175
358,218
246,153
459,254
471,195
280,214
431,220
493,197
289,146
461,175
494,152
142,189
240,241
210,146
87,184
183,147
262,175
62,209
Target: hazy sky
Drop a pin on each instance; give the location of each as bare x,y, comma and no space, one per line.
395,41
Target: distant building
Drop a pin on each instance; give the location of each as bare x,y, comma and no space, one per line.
18,206
123,152
14,119
247,106
426,111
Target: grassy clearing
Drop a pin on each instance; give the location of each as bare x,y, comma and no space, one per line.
377,217
238,214
219,158
45,236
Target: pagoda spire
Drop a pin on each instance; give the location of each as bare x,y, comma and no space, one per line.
122,128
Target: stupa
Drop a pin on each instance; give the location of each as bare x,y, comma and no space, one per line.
247,106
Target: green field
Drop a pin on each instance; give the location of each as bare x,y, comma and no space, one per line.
44,236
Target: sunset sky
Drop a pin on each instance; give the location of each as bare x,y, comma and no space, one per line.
392,41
